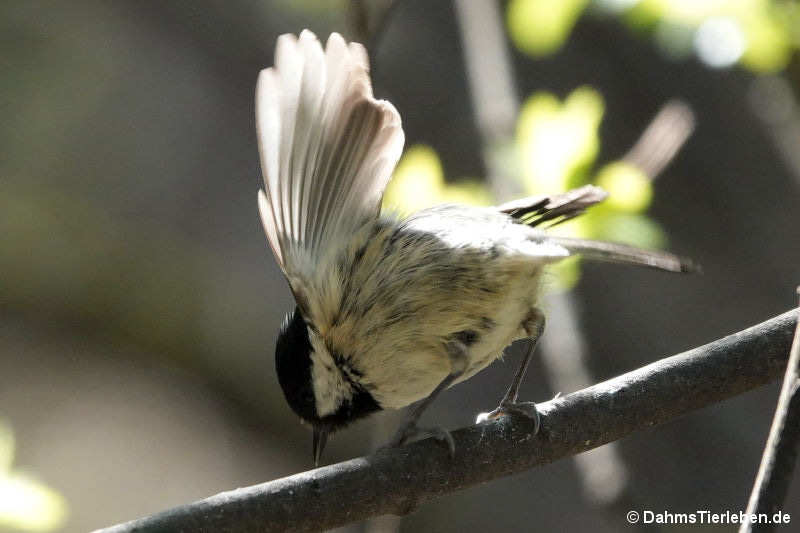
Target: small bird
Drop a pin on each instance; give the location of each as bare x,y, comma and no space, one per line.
391,311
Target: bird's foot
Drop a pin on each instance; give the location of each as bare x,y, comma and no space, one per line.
526,409
410,431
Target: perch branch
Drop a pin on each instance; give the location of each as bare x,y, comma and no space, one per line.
780,453
397,480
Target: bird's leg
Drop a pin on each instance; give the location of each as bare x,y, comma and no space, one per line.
534,327
457,352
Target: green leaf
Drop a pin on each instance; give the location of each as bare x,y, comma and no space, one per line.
558,141
540,27
629,189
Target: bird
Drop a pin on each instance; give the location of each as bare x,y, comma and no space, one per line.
391,311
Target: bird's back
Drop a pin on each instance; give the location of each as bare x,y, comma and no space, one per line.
410,286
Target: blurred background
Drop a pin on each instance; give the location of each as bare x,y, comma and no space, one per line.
139,301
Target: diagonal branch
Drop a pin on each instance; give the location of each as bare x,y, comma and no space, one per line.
397,480
780,454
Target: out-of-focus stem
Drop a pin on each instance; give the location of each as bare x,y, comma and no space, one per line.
492,89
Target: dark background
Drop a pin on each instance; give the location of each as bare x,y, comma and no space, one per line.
139,301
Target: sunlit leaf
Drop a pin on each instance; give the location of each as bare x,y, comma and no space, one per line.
540,27
628,187
769,46
693,12
557,141
28,505
643,15
759,34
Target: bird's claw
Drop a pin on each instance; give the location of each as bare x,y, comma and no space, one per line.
411,431
526,409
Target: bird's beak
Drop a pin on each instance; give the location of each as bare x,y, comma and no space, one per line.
320,439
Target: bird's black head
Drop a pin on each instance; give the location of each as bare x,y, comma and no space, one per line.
294,364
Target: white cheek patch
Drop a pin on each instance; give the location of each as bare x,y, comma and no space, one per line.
330,387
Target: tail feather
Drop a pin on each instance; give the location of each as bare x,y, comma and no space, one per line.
621,253
558,208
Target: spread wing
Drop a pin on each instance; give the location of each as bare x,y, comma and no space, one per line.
559,208
327,147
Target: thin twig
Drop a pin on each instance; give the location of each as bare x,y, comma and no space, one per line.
398,480
780,453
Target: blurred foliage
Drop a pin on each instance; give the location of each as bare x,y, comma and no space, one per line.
630,187
552,26
25,503
761,35
87,263
557,143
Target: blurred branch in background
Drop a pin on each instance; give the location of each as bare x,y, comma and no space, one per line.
774,102
662,139
780,454
397,480
492,89
603,471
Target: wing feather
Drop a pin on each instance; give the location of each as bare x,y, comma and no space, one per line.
327,146
555,208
